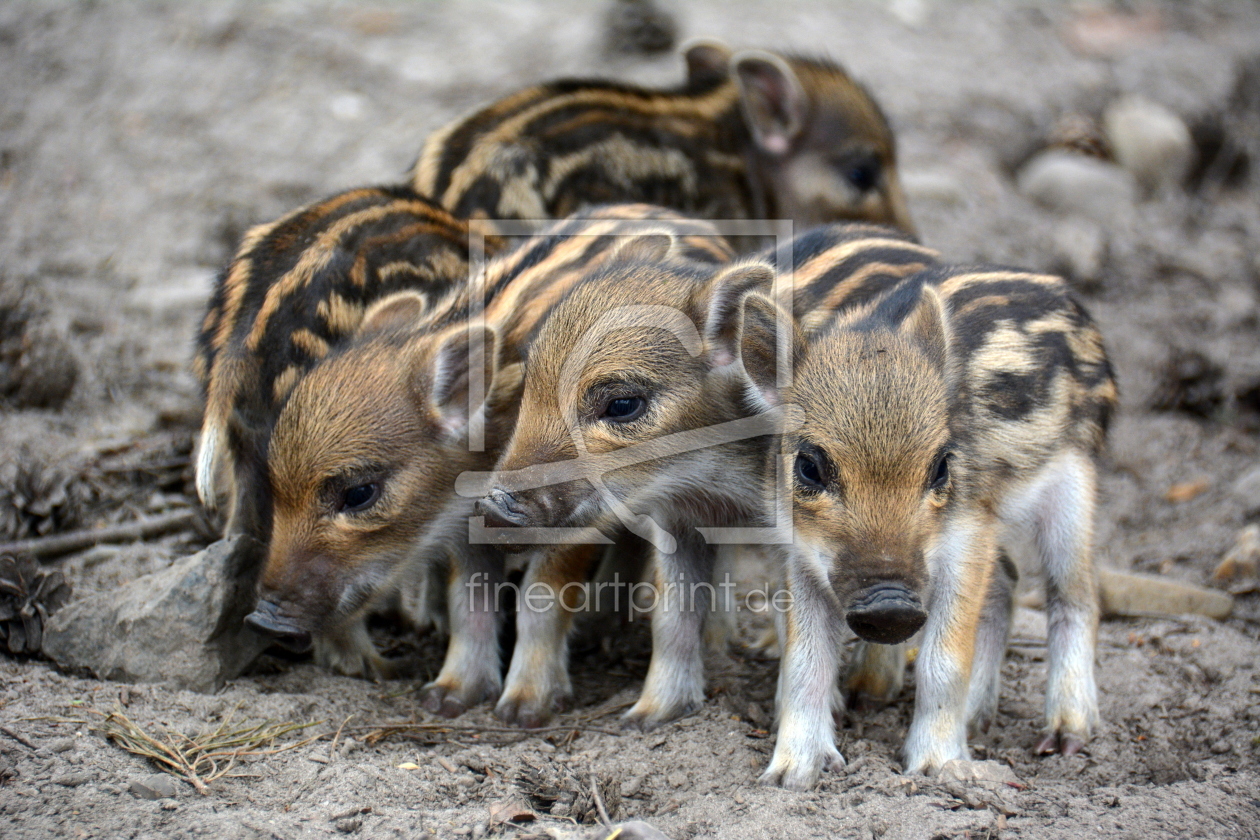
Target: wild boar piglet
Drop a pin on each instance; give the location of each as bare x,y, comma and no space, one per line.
958,416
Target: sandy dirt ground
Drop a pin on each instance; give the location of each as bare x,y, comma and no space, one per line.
138,139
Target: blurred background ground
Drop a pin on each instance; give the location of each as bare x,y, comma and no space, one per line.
139,139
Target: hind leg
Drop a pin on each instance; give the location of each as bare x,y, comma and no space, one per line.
991,640
878,673
1063,525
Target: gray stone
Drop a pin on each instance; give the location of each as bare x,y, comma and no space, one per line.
1074,184
958,770
1080,248
180,626
156,786
1150,141
1247,490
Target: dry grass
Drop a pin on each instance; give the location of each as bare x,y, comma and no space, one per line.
210,755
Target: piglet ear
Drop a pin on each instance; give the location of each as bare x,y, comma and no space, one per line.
928,326
648,247
763,326
398,310
708,62
773,100
460,374
724,294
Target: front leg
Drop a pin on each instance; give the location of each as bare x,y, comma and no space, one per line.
675,678
554,587
963,563
470,673
807,683
350,651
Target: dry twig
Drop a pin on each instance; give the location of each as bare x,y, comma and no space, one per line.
54,545
375,732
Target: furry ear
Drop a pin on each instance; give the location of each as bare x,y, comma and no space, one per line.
723,295
649,247
762,323
708,62
400,309
773,100
460,374
928,326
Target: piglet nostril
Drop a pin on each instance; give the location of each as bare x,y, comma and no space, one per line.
502,510
886,614
266,619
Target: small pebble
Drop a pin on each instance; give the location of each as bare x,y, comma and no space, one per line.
480,830
170,805
468,780
1150,141
633,785
156,786
62,745
349,826
73,779
1074,184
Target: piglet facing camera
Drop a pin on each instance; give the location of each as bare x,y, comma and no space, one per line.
963,408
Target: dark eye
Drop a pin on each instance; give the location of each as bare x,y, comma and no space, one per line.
360,497
809,471
625,409
862,174
940,474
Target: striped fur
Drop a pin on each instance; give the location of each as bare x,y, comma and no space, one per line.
642,357
958,416
770,137
390,409
296,289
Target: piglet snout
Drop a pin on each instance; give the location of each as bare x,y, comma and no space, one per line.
267,619
887,614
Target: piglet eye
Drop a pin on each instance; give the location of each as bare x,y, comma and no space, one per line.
863,175
808,471
940,474
360,497
625,409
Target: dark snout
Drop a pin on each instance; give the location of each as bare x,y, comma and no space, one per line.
886,614
503,510
266,619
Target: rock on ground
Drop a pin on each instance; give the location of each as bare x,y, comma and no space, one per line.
165,627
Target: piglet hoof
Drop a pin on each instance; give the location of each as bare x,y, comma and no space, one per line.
441,700
530,714
800,776
646,717
1063,743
